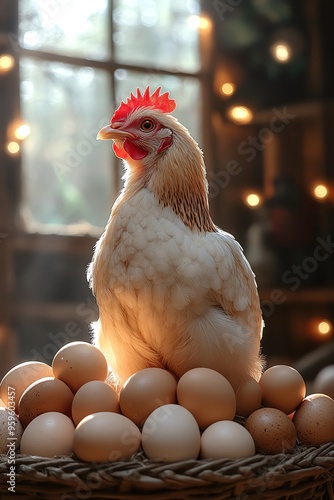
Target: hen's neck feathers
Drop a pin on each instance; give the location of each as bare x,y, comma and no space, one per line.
177,177
179,182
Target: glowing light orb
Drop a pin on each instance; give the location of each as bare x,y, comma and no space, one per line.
324,327
200,22
13,147
240,114
320,191
281,51
6,63
252,199
228,89
22,131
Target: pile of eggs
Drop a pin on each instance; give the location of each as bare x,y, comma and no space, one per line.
72,407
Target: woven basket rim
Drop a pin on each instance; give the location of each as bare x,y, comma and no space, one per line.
300,472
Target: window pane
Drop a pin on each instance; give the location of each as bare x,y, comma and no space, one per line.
75,27
67,173
185,90
158,34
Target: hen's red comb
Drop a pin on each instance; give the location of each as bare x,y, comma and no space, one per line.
145,100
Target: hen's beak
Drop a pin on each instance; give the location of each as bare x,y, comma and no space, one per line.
107,133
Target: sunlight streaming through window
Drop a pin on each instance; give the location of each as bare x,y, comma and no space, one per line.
70,178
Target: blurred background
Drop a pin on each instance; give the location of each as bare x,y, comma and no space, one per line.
254,83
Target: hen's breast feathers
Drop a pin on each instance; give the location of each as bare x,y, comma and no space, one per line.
148,254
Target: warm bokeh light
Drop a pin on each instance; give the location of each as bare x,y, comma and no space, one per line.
228,89
281,51
324,327
201,22
252,199
13,147
240,114
22,131
320,191
6,63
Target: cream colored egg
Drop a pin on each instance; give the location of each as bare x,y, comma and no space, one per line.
314,420
19,378
170,434
226,439
106,437
93,397
78,363
283,388
45,395
10,432
208,395
145,391
48,435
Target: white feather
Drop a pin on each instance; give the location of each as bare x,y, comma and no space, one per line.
169,296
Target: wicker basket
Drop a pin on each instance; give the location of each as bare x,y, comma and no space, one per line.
303,474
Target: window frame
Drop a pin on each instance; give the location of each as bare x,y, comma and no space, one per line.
110,66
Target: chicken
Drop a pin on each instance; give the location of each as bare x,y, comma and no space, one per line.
173,290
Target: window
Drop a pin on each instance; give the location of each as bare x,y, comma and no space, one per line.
74,60
78,60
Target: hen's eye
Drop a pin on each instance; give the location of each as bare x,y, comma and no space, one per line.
147,125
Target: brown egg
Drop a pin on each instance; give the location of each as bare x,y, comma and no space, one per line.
79,362
45,395
283,388
145,391
93,397
272,430
208,395
48,435
324,381
106,437
314,420
249,397
19,378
